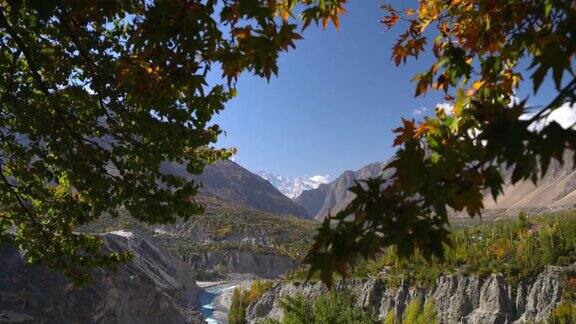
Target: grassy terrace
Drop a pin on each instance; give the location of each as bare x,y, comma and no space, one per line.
518,248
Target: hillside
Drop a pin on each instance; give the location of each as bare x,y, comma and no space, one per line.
227,238
506,271
556,191
228,180
226,223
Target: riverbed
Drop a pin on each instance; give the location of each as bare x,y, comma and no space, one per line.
213,314
215,299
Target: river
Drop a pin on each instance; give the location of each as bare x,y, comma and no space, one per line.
213,313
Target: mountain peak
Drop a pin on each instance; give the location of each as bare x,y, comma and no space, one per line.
291,187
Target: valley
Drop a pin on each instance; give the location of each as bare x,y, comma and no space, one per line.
236,243
287,162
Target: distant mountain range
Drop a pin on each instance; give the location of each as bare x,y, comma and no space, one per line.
556,191
270,193
230,181
291,187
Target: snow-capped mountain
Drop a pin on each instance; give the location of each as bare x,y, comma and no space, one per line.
291,187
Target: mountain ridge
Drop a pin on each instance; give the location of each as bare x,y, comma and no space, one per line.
555,191
332,197
291,187
229,180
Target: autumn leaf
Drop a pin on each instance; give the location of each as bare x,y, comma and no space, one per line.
405,133
399,54
390,20
476,85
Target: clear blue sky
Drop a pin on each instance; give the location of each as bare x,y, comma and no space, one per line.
334,104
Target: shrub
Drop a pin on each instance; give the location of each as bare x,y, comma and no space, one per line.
257,289
239,302
297,310
429,313
417,314
390,317
334,307
340,307
563,313
413,311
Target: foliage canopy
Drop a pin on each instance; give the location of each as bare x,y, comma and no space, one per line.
97,95
446,162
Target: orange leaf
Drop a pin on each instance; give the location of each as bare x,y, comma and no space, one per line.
390,20
336,21
475,87
424,128
284,14
405,133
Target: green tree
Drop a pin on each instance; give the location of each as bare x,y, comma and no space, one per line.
97,96
238,304
333,307
446,162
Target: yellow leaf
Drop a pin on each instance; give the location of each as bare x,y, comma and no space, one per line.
475,87
461,100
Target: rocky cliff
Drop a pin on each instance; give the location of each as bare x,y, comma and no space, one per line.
152,288
458,298
262,265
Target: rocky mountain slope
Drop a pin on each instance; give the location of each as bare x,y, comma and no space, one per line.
230,181
334,196
457,298
556,191
152,288
291,187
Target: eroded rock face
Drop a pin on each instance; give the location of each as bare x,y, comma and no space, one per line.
535,302
150,289
263,265
458,298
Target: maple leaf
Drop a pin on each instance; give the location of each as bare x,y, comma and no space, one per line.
405,133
